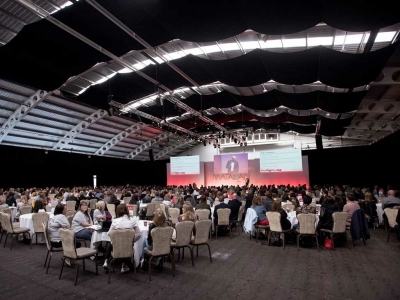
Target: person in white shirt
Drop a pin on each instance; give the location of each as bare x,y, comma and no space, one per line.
122,221
167,201
99,214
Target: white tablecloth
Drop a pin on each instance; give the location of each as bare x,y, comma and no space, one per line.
26,221
379,211
99,236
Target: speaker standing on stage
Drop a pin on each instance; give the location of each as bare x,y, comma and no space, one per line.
247,181
232,166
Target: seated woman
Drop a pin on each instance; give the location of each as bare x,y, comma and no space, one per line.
306,208
277,207
81,221
368,197
99,214
37,206
159,220
122,221
59,220
325,216
188,214
260,210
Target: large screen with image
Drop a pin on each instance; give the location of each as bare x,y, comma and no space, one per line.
184,165
281,160
231,163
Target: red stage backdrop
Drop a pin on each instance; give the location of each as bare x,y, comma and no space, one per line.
208,178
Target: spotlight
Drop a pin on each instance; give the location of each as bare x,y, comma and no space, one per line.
46,152
328,114
89,156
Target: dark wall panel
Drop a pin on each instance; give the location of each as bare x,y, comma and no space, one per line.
23,167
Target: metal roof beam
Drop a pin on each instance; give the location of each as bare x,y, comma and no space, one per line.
22,111
148,144
170,149
14,33
74,132
119,138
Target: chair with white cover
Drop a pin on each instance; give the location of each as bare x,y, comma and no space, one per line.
339,227
70,251
164,210
202,228
38,219
71,205
157,205
307,227
274,219
7,224
391,214
70,218
50,248
161,246
223,220
174,215
111,210
122,242
183,237
150,209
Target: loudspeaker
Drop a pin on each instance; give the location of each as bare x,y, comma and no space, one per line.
159,101
151,156
318,142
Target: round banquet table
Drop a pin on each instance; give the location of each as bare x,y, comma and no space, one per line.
26,221
99,236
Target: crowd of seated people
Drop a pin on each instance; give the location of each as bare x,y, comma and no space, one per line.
261,198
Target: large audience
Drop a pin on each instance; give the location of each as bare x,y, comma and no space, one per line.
325,200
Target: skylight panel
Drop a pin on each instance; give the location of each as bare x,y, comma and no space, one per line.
194,51
385,36
353,39
211,49
229,47
290,43
68,3
317,41
271,44
125,70
250,45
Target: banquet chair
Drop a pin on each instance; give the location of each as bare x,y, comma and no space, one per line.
239,221
70,251
70,213
184,232
164,210
11,230
111,210
274,219
173,215
161,246
93,203
71,205
118,196
86,201
391,214
339,227
202,214
307,227
202,228
127,199
157,205
223,220
38,220
122,242
50,248
150,210
25,210
70,218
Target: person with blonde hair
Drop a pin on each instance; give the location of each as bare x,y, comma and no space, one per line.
188,213
99,214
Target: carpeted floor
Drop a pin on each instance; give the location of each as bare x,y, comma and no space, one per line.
241,269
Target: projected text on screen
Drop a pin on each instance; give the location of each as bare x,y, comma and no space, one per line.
183,165
281,160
